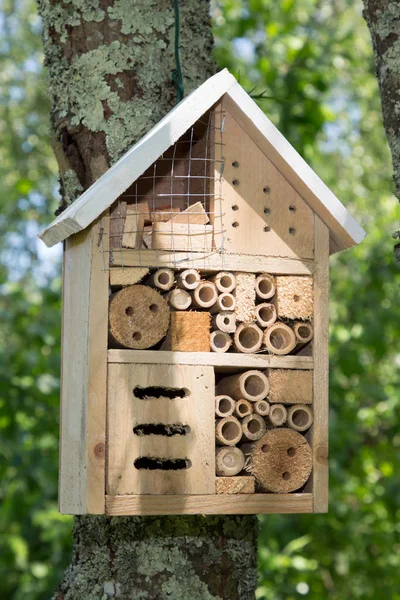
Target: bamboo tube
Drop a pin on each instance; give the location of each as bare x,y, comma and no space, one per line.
229,461
300,417
294,297
244,484
243,408
277,415
224,321
189,279
163,279
281,461
265,286
220,341
224,406
138,317
261,407
251,385
288,386
224,282
205,295
304,332
225,302
253,427
248,338
228,431
179,299
279,339
245,296
265,314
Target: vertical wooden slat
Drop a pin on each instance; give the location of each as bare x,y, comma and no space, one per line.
319,434
84,372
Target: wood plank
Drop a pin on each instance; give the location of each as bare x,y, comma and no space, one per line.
226,504
225,362
127,411
319,431
258,203
345,230
84,369
212,262
182,237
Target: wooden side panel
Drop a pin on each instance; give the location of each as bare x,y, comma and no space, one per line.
319,432
226,504
84,372
126,411
258,203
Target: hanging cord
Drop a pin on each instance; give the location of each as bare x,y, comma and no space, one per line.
177,72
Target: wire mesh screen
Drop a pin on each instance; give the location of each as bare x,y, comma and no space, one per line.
176,206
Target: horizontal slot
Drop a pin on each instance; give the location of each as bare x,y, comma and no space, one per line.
154,391
161,429
162,464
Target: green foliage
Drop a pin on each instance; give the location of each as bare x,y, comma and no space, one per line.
312,62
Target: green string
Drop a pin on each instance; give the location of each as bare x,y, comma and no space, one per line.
177,72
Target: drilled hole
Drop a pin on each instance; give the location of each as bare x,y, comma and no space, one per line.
235,224
267,228
266,190
292,231
161,429
154,308
296,298
154,391
265,448
286,475
235,182
292,208
235,207
291,451
129,311
267,210
163,464
136,336
235,164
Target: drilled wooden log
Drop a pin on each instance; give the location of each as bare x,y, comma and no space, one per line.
229,461
228,431
220,341
179,299
224,406
224,282
294,298
253,427
224,302
252,385
261,407
235,485
279,339
248,338
243,408
190,331
224,321
288,386
265,314
245,296
127,276
281,461
188,279
300,417
162,279
265,286
138,317
205,295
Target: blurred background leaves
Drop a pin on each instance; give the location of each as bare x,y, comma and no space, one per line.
310,64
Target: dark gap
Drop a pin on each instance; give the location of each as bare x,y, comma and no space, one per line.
154,391
163,464
161,429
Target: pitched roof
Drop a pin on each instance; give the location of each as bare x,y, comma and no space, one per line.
344,230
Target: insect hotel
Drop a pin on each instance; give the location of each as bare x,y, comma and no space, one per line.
195,320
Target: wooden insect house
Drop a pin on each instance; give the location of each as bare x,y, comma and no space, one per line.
195,320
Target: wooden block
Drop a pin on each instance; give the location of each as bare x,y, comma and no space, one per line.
235,485
294,298
245,295
147,237
193,215
128,276
117,220
190,331
182,237
134,225
290,387
164,214
139,395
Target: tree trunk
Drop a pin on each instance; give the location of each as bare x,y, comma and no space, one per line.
383,19
110,77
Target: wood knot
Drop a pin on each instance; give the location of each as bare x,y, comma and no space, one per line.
322,455
99,450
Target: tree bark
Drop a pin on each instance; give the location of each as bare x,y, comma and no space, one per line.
383,19
110,79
